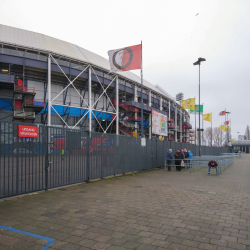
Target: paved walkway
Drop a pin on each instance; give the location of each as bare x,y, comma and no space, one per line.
149,210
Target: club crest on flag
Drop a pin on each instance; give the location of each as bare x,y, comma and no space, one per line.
188,104
125,59
222,113
207,117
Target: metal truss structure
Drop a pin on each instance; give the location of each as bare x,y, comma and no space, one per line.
90,107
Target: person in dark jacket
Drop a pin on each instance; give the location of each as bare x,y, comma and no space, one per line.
169,159
213,164
186,155
178,157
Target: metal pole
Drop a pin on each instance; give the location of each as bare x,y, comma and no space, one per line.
181,124
117,106
90,103
230,135
175,136
195,129
202,127
49,90
226,123
169,109
199,115
141,95
150,125
211,131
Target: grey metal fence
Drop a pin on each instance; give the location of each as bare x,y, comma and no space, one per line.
61,156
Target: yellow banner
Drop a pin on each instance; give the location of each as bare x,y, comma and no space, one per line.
226,129
188,104
232,140
207,117
223,127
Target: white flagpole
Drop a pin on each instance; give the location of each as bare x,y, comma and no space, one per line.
141,95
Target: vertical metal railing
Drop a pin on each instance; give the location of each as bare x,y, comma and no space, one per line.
62,156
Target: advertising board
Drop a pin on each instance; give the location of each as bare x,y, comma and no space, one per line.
159,123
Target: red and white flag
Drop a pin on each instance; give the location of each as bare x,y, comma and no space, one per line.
125,59
222,113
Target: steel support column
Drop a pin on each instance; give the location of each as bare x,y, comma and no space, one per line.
49,90
117,105
150,125
181,125
149,99
90,103
135,94
169,109
175,121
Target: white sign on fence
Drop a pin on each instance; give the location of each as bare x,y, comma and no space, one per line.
143,142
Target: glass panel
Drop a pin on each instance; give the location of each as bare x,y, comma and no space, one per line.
64,63
98,73
30,55
16,53
121,82
6,51
110,77
42,58
128,84
75,66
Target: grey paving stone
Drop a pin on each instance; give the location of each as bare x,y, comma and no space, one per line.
206,246
131,245
175,246
237,246
146,247
151,210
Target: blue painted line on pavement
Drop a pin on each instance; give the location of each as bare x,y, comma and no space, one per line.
47,245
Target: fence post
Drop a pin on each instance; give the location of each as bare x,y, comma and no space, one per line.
88,156
46,157
115,152
102,157
134,140
156,154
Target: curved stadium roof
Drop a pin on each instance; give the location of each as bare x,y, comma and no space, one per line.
35,41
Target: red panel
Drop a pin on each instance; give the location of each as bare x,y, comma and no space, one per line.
19,83
18,104
27,131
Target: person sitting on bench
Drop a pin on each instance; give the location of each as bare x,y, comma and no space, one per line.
213,164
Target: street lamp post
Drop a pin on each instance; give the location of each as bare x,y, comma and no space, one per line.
199,63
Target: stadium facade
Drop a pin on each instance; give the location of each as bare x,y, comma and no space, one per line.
44,80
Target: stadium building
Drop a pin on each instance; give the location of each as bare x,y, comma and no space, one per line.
44,80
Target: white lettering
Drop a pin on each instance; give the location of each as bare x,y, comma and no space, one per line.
29,129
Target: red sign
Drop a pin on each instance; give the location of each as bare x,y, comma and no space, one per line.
27,131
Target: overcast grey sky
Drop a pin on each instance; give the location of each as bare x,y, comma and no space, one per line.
173,36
